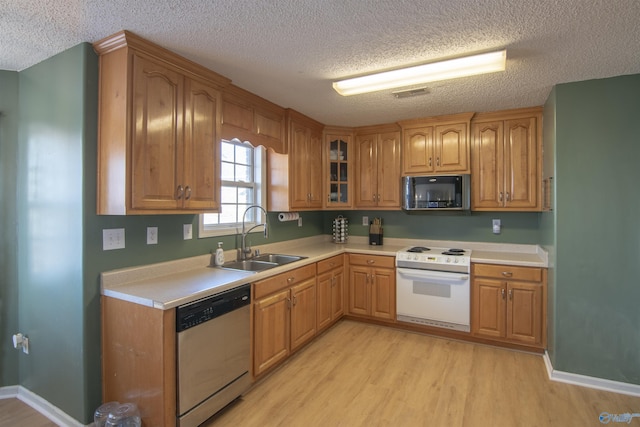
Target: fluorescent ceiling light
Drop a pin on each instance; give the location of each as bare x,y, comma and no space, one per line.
419,74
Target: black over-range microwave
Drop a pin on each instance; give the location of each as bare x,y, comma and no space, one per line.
441,192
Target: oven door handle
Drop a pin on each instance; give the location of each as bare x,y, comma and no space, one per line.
416,274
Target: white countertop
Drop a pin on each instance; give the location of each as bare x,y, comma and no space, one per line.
524,259
170,284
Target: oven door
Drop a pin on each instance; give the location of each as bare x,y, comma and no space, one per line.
433,298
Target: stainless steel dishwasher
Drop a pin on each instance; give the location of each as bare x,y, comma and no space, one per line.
213,354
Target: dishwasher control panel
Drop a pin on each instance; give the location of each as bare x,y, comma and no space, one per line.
197,312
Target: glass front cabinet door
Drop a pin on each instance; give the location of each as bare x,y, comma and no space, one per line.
338,179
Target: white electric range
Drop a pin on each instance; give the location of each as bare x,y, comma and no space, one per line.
433,287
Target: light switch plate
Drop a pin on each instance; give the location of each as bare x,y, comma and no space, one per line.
365,220
152,235
496,224
187,230
112,238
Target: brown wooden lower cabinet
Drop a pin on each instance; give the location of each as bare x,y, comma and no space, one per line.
139,359
284,316
330,291
372,286
508,303
271,328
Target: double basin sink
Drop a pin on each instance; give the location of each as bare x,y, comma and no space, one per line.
262,262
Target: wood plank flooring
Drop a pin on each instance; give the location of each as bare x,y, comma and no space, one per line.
14,412
358,374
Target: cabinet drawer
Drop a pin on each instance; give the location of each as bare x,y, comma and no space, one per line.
330,263
531,274
372,260
282,281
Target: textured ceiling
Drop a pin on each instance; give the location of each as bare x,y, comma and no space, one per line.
290,51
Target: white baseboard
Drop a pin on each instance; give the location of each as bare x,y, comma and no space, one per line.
53,413
591,382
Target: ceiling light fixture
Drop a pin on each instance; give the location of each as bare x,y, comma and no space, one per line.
449,69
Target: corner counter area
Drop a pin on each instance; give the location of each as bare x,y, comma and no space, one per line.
290,305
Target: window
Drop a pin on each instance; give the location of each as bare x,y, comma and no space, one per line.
241,186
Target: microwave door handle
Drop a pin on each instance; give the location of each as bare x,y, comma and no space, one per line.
416,274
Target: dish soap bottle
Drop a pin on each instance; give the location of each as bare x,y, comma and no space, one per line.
219,255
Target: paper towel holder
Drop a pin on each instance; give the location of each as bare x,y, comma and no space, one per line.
288,216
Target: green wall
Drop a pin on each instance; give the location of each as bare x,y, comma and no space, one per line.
8,235
50,231
520,227
597,261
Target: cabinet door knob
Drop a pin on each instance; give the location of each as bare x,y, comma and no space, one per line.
430,161
290,279
179,192
503,293
508,196
187,193
511,294
507,274
370,261
500,196
437,161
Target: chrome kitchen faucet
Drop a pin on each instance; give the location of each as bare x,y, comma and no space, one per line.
244,250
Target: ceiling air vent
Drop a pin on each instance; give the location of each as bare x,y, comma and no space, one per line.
411,92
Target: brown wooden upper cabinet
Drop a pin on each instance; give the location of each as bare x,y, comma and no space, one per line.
295,178
377,164
338,168
158,132
507,160
436,145
250,118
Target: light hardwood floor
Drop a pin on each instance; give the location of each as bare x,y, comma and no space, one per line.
358,374
14,413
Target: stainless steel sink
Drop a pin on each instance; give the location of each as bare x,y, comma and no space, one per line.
279,259
262,262
249,265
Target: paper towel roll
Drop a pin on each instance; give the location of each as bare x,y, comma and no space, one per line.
288,216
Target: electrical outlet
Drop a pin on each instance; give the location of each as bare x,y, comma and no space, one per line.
112,239
365,220
187,231
21,341
299,221
152,235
